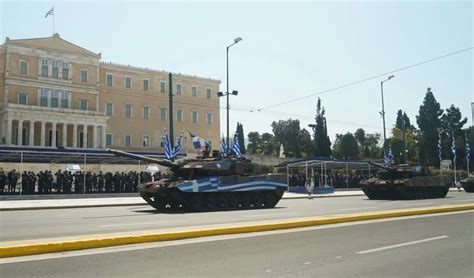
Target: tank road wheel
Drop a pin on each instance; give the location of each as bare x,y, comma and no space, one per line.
197,202
270,199
211,202
246,200
234,200
258,200
223,200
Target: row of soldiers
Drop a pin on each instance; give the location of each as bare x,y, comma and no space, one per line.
45,182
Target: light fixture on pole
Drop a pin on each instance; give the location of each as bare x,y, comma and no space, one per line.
221,94
383,109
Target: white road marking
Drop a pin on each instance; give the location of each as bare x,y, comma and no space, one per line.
401,244
268,271
272,214
359,208
338,257
463,200
418,204
142,223
307,263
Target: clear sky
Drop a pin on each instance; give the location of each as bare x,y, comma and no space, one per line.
289,50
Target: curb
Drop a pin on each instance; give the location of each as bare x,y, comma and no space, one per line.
52,247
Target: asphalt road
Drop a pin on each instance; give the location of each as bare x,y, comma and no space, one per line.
47,224
434,246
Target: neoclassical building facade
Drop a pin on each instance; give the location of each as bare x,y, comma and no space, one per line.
54,93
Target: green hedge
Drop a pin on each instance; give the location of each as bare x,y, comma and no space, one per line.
459,173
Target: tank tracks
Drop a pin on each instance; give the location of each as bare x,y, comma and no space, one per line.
381,192
173,199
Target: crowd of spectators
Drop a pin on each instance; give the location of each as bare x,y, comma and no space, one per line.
336,180
66,182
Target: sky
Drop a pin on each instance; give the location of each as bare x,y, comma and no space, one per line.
289,50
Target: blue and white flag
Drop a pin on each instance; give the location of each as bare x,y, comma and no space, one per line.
168,149
177,147
236,146
440,147
390,156
385,158
453,146
468,151
51,12
198,142
223,146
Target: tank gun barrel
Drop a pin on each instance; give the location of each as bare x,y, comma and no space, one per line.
380,166
162,162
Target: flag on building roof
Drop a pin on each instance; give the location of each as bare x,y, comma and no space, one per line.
236,146
223,146
51,12
198,142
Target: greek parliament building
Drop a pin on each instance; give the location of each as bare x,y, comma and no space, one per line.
54,93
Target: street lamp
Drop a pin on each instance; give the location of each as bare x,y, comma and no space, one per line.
220,94
383,110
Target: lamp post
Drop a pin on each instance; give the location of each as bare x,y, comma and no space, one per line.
383,109
220,94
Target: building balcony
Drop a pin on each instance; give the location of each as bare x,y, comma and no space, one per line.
39,109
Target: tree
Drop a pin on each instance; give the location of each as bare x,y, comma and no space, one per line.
268,145
287,133
255,141
240,137
360,136
306,144
346,147
371,146
320,133
452,123
403,121
396,143
429,123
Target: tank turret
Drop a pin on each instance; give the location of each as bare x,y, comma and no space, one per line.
211,184
468,184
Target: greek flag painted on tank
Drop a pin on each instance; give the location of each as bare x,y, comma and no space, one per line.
236,146
215,184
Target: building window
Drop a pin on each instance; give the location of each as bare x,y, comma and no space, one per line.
54,99
83,104
65,71
128,111
109,78
163,86
127,140
23,67
146,112
209,118
146,140
179,89
163,114
44,67
128,82
208,93
179,116
64,99
194,117
44,97
194,91
146,84
55,70
109,109
108,139
23,98
84,76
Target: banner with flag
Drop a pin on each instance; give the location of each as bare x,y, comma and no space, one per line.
50,12
453,146
223,149
440,147
198,142
236,146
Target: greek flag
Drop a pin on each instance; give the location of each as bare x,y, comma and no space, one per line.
440,147
223,146
390,156
453,146
177,147
168,149
51,12
385,158
468,151
236,146
198,142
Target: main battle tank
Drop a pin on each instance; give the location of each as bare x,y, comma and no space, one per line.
207,184
468,184
402,182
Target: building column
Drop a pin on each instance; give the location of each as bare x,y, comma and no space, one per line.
104,142
53,135
43,134
19,138
31,134
9,132
74,135
64,140
94,136
84,136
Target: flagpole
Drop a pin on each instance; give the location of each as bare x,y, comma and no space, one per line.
468,149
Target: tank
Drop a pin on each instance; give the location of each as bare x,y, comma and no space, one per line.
210,184
468,184
404,182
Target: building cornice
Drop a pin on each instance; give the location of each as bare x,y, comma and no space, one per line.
19,81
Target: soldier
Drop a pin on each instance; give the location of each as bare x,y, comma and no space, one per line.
108,182
3,179
12,181
94,182
100,182
88,182
24,182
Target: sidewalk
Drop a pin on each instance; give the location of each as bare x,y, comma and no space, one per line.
110,200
